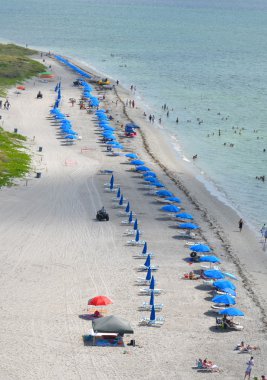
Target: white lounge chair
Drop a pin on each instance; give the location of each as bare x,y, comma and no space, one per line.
187,235
190,243
113,190
130,232
159,321
136,242
117,185
148,291
143,255
147,307
143,268
125,213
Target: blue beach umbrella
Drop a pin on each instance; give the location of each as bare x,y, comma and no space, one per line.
142,169
157,184
121,200
188,226
135,227
149,274
174,199
152,283
111,180
118,193
152,314
151,301
137,236
224,299
208,259
170,208
131,155
147,262
127,209
164,193
144,249
224,284
200,248
214,273
70,137
137,162
232,312
150,179
149,174
130,216
184,215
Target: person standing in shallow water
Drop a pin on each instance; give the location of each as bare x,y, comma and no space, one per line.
240,224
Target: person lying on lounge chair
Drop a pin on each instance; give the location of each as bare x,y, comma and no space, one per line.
242,347
191,276
210,365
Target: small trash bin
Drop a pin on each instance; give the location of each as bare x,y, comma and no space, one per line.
15,130
38,175
40,149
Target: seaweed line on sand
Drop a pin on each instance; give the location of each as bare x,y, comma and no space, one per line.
244,275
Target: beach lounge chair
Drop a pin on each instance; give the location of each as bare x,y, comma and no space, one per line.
190,243
131,232
187,235
208,367
136,242
158,322
147,307
134,230
105,171
111,190
143,268
143,255
148,291
146,280
152,320
217,307
147,265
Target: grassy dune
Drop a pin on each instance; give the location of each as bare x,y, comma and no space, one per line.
15,67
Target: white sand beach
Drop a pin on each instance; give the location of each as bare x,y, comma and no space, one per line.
55,255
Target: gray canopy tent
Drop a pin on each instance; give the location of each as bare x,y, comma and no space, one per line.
112,324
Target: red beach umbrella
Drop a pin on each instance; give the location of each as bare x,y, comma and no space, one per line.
100,301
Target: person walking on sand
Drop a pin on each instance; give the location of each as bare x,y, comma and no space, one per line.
240,224
133,104
250,365
263,229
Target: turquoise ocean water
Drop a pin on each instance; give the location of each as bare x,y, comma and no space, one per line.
205,59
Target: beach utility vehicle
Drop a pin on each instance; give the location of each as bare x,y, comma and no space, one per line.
129,129
104,82
102,215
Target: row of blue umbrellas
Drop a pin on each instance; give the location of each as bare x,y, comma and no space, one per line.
147,264
75,68
221,283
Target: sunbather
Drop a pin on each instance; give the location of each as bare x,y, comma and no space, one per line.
191,276
242,347
210,365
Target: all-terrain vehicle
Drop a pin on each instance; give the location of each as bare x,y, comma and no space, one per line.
102,215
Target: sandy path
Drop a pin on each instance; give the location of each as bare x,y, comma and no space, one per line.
54,256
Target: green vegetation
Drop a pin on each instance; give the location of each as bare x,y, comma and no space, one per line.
14,162
16,66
